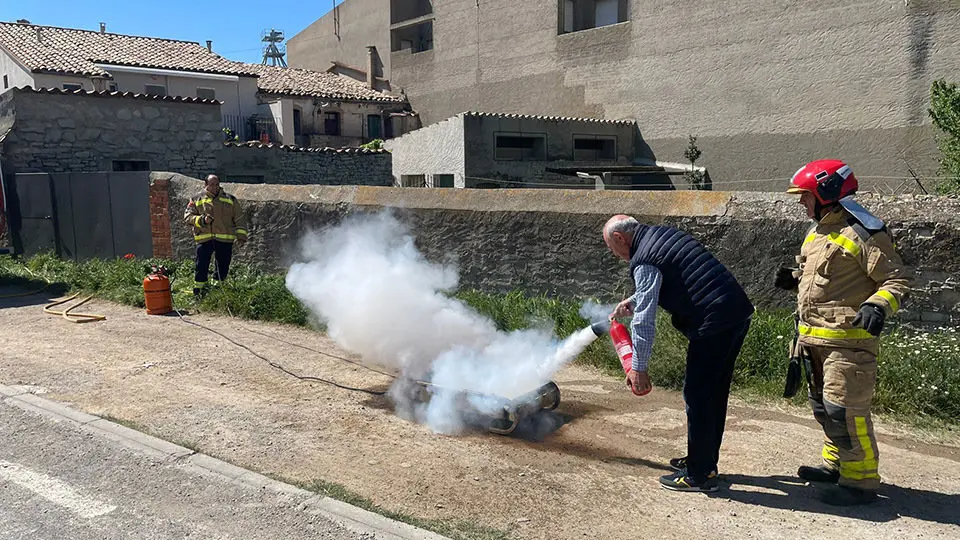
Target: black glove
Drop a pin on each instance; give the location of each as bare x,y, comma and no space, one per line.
785,279
871,318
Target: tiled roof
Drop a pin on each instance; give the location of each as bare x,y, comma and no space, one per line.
548,118
292,148
130,95
49,49
303,82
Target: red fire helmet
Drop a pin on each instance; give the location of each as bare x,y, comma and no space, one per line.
828,179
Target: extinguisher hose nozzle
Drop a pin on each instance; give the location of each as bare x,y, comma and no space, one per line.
600,328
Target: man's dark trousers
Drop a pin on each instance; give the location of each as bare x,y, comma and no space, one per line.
223,251
706,389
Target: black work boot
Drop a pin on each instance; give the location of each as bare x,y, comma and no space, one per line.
847,496
818,474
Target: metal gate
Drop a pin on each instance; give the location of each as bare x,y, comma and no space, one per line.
81,215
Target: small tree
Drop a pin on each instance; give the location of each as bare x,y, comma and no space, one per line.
376,144
694,177
945,112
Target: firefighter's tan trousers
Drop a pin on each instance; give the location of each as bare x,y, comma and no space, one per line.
840,387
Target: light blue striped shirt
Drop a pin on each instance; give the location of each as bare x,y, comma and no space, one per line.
643,326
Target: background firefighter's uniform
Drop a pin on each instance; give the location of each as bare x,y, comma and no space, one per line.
214,238
842,266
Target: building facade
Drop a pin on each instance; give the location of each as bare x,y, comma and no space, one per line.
480,150
75,59
764,86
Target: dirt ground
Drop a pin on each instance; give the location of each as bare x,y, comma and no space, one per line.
595,476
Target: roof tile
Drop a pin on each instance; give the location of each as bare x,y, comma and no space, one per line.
306,83
73,51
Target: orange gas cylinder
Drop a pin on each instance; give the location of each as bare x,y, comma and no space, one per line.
156,294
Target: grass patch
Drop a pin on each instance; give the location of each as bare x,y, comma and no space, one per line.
919,372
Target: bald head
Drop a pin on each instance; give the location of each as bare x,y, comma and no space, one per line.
212,184
618,234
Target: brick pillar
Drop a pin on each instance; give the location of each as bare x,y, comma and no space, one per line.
160,218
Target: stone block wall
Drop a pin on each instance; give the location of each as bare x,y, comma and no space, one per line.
57,131
548,241
258,163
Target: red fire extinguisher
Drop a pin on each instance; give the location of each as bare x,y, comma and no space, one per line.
624,347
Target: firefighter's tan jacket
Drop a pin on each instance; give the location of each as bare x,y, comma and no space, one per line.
843,266
228,221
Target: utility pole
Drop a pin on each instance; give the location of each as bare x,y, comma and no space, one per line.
271,51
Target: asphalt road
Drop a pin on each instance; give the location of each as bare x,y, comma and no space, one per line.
58,481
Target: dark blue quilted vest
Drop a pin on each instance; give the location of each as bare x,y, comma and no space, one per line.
697,290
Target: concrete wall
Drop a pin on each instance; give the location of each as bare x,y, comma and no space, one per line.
438,149
283,165
238,94
766,86
53,132
362,23
57,81
548,241
482,166
17,75
465,146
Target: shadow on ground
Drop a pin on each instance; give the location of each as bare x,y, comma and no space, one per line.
791,493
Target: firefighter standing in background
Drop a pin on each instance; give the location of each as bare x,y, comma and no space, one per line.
849,281
217,223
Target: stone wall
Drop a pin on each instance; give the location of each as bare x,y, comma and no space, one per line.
548,241
258,163
56,131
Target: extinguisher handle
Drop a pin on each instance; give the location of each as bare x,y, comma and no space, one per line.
634,390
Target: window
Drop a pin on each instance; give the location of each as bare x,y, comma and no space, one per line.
155,90
331,123
130,165
594,148
576,15
443,181
374,126
72,87
520,147
297,123
114,87
6,83
413,180
206,93
416,38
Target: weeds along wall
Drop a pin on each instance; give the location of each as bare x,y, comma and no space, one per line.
549,241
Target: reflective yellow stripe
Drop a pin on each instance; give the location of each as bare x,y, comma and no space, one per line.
199,237
847,244
242,231
894,304
830,333
204,201
810,237
196,221
830,453
225,236
862,470
864,438
226,200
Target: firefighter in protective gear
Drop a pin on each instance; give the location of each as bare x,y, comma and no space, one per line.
849,281
217,223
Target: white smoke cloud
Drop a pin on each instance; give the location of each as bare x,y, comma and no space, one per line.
381,299
595,312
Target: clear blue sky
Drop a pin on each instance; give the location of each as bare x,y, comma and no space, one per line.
234,26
